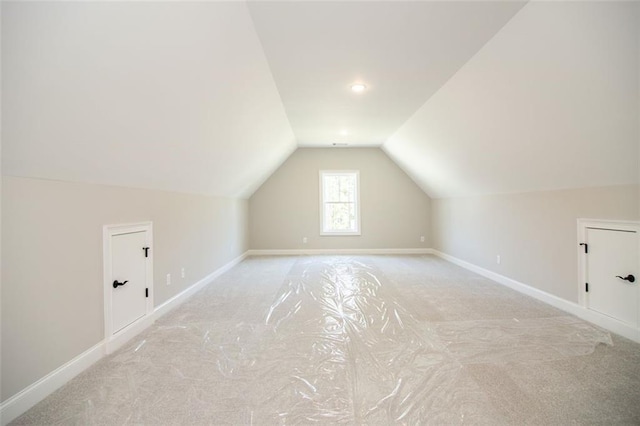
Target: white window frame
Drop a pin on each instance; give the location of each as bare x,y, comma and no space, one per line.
323,173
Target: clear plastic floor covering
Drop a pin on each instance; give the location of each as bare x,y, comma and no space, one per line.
336,340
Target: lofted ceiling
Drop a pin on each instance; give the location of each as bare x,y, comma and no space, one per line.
402,51
163,95
551,102
468,98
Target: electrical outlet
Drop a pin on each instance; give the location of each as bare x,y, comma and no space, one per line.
182,272
304,240
168,279
498,260
422,239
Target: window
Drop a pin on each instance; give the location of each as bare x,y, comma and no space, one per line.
340,199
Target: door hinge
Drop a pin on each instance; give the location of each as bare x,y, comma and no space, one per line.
586,287
146,292
586,247
146,251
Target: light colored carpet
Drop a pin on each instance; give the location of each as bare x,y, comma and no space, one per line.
357,340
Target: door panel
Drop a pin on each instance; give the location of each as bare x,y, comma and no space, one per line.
613,253
128,264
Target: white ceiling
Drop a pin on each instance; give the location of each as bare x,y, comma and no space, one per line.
402,51
551,102
162,95
211,97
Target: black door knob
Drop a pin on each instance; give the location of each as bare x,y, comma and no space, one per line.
629,278
116,283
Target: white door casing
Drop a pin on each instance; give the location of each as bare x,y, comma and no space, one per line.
128,307
610,259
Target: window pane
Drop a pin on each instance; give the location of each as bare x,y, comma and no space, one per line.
340,217
331,188
347,188
339,188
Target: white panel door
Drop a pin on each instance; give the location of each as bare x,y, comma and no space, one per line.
128,270
612,272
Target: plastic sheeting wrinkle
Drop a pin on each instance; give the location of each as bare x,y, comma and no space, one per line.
338,343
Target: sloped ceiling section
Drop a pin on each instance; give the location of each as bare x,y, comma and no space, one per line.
402,51
161,95
550,102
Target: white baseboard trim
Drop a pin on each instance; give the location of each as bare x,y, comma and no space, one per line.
596,318
305,252
181,297
118,340
36,392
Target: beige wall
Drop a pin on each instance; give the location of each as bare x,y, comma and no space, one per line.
534,233
52,294
394,211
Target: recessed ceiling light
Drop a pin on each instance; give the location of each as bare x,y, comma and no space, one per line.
344,132
358,87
